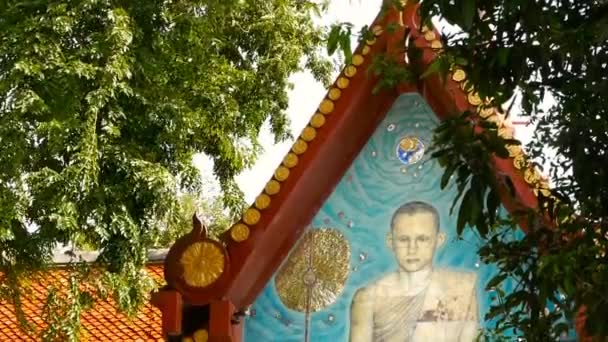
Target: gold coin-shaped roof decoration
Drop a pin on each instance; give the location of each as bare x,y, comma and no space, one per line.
203,263
315,272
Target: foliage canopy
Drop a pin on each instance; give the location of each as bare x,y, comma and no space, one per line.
549,59
104,103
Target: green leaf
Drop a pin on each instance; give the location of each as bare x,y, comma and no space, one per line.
445,178
346,48
433,68
495,281
464,212
492,204
333,39
468,13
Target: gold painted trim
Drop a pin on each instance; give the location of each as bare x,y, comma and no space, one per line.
252,215
488,113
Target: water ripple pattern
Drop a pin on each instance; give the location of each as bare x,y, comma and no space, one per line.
361,205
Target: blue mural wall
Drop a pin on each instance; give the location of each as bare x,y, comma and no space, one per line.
387,173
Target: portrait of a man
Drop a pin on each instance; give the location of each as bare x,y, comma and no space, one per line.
417,302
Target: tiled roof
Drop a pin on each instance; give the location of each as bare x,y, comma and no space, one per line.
102,323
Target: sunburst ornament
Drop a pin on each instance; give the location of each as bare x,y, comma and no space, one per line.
203,263
315,272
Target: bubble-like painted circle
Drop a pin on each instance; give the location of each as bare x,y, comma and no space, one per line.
410,150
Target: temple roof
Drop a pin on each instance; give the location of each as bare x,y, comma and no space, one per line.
345,119
102,323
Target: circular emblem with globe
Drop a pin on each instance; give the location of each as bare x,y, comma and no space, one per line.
410,150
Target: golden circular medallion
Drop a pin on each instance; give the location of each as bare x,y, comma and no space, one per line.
505,132
272,187
436,44
281,173
291,159
317,120
342,82
334,94
308,133
201,335
371,41
203,263
315,271
377,30
299,146
429,35
474,98
486,112
239,232
358,60
514,150
545,192
496,119
326,106
519,161
262,201
459,75
350,71
365,50
531,176
251,216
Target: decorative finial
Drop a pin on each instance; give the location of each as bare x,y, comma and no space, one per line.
198,228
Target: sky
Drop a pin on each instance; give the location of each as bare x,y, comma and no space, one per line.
304,98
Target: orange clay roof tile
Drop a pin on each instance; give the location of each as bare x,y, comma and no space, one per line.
102,323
